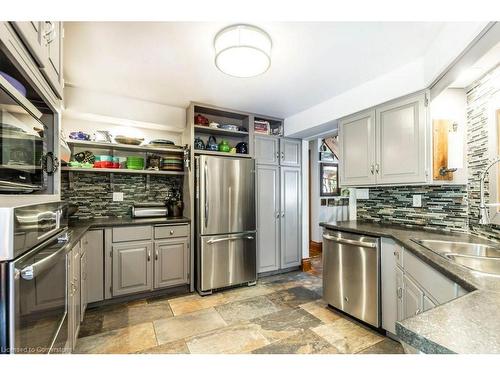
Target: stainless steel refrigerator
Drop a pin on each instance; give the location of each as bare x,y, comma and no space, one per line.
225,222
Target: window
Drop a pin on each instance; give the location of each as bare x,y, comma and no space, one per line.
329,179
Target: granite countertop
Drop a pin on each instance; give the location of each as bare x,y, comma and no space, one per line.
79,227
468,324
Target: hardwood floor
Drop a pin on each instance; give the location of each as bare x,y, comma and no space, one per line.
281,314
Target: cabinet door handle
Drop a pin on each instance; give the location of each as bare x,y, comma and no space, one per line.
156,254
171,232
377,167
277,215
396,254
282,155
400,292
418,311
372,169
283,214
149,256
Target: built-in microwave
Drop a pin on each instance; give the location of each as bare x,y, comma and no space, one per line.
25,158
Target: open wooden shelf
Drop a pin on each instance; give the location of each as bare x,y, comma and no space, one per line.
219,153
121,170
119,146
217,131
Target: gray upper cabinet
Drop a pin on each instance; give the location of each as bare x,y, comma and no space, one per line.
32,34
401,148
132,271
267,150
386,145
43,39
171,265
290,217
268,217
357,149
53,69
93,242
290,152
278,151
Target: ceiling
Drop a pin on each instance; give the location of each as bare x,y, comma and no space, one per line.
488,61
173,62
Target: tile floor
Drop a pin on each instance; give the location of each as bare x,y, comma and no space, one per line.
281,314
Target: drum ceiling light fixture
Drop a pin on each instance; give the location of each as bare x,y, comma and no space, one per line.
242,51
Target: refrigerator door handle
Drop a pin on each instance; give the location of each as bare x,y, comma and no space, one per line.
205,171
223,239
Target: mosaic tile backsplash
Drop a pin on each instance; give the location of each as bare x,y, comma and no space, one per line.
479,95
443,207
93,194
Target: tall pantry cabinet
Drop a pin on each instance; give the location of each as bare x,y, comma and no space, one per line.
278,190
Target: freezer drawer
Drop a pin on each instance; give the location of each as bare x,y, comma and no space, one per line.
351,275
226,260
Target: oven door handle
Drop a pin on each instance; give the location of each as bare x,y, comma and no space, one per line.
345,241
32,271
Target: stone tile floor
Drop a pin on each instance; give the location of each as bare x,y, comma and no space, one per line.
281,314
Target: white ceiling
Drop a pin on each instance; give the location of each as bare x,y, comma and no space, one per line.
172,62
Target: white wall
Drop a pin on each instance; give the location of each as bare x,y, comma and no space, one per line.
321,213
89,110
451,104
409,78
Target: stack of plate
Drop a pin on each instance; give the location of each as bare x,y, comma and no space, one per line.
172,162
134,162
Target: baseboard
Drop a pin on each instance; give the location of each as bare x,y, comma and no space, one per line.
306,264
315,248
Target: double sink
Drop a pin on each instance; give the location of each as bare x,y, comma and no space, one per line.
481,258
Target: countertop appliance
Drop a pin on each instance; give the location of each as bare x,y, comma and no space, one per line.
26,158
33,276
149,210
351,275
225,222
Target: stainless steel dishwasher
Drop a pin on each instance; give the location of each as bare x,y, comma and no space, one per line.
351,274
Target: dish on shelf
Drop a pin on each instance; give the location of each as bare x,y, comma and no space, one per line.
172,162
160,142
103,136
135,162
200,120
79,136
14,82
85,157
231,127
128,140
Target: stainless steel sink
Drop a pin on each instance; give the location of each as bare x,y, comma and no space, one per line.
462,248
480,264
482,258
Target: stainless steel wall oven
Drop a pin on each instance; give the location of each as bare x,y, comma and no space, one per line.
33,279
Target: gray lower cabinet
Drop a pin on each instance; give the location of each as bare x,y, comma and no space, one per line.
290,217
413,298
93,243
74,294
83,283
410,286
268,217
140,263
171,266
132,267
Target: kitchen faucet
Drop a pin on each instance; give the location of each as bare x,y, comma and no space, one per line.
484,215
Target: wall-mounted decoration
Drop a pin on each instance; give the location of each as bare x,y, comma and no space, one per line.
447,149
329,179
